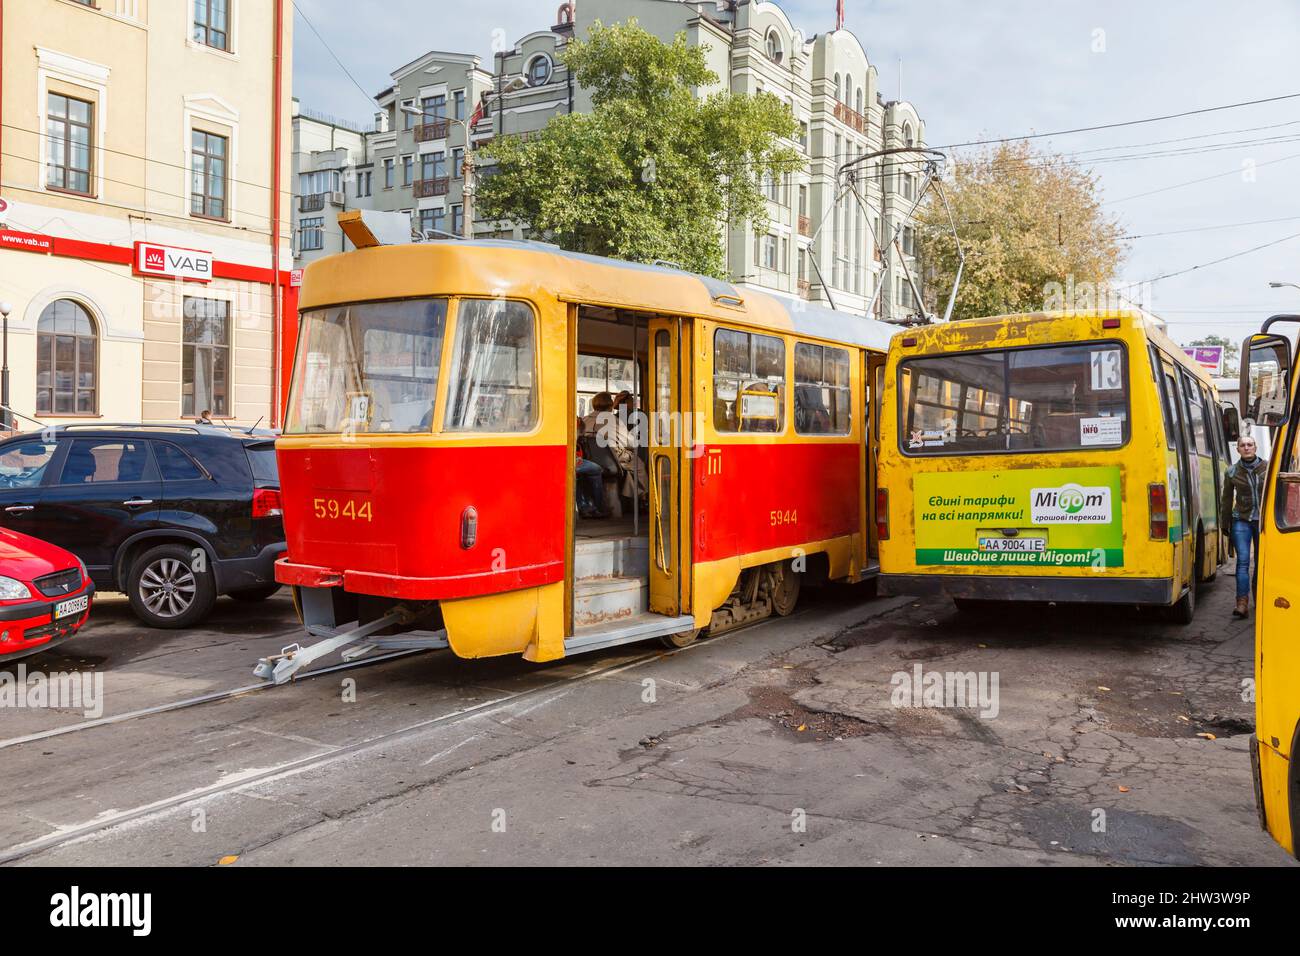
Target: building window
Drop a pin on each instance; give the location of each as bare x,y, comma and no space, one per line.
363,183
388,174
433,165
837,87
773,46
458,99
433,108
458,162
312,234
408,118
433,221
212,23
205,357
408,169
907,134
539,71
458,219
68,127
320,181
208,175
66,360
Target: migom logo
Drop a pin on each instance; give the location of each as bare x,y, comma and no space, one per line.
1070,504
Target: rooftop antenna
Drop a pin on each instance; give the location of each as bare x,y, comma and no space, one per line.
900,79
839,15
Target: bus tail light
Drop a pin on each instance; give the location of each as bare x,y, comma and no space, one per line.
1158,503
882,514
266,503
468,527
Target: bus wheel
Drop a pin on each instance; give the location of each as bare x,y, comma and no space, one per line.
680,639
1185,608
785,589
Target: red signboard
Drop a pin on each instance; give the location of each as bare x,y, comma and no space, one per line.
26,241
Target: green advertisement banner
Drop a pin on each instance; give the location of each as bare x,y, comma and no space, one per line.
1030,517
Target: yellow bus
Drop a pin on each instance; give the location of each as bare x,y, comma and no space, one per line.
1269,386
1070,457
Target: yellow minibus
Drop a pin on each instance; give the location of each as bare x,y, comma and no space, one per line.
1269,386
1064,456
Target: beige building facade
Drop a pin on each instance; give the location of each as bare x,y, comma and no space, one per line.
145,234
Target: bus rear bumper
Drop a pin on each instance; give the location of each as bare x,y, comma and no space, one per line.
1100,590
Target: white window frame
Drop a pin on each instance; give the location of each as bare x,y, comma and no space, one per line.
209,108
64,68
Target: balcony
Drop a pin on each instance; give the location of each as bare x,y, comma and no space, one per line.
313,203
805,226
425,188
850,117
435,129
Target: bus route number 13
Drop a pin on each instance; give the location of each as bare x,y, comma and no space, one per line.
1106,370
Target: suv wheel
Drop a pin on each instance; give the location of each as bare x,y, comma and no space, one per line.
166,591
255,594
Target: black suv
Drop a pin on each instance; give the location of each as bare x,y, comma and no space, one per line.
172,515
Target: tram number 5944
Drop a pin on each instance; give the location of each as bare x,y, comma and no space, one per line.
784,517
332,508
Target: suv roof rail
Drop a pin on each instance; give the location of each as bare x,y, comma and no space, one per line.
104,426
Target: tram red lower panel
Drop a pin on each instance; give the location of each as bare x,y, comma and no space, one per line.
753,497
391,519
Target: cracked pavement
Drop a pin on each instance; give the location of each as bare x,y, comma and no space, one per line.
1118,740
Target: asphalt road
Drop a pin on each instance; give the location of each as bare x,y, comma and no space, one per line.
1113,738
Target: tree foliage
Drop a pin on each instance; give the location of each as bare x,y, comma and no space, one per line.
654,171
1033,229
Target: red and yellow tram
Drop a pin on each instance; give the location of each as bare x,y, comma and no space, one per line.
428,456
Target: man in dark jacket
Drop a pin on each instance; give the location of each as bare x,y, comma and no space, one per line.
1243,490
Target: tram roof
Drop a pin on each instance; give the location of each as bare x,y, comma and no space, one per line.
505,265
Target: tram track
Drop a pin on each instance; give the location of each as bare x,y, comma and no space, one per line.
290,768
214,697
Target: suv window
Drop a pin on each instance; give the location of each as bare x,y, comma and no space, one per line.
261,458
111,459
174,464
22,464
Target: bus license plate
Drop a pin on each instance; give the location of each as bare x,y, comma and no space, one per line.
1017,544
71,606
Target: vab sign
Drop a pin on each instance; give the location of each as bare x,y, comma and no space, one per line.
173,262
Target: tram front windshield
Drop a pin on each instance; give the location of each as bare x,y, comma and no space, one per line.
367,367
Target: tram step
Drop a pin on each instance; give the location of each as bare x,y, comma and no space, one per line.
605,600
642,627
611,558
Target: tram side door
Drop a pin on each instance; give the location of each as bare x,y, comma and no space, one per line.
1177,412
670,436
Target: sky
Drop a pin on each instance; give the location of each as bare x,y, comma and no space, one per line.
1006,68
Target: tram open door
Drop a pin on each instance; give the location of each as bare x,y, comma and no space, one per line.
670,439
873,380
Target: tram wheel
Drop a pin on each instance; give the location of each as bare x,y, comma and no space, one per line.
785,589
680,639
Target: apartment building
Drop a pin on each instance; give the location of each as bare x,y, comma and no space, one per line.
823,242
332,173
144,173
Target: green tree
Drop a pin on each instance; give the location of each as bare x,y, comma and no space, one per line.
1032,226
654,171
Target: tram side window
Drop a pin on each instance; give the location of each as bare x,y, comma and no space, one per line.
493,387
821,390
748,382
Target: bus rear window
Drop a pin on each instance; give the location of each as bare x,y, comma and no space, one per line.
367,367
1057,398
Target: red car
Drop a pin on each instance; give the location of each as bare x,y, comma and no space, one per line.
44,595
